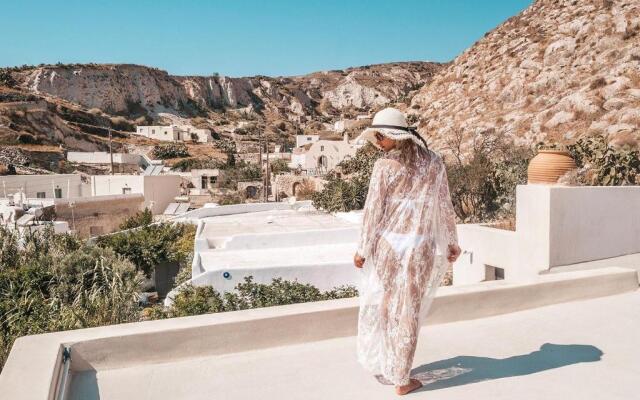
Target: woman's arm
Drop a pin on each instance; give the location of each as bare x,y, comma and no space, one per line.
447,216
373,208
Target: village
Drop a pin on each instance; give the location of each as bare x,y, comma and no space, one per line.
91,205
201,200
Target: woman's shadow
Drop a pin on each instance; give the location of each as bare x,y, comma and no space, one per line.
462,370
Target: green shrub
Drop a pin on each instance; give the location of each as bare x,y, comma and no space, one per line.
141,218
608,166
196,300
279,166
346,194
187,164
151,245
57,282
170,150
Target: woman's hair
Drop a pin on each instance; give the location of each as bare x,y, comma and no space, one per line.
409,150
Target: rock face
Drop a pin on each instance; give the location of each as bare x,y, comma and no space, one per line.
558,70
132,89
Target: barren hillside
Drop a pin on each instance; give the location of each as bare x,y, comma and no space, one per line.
559,70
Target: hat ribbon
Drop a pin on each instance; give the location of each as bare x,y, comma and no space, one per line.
409,129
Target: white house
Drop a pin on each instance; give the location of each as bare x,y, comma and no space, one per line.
158,190
175,133
204,179
59,186
322,155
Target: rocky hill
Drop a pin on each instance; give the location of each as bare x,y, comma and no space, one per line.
279,105
559,70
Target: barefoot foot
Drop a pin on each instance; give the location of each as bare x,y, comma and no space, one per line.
413,385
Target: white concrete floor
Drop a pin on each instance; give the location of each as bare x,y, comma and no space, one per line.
578,350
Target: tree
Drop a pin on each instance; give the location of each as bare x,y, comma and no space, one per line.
346,194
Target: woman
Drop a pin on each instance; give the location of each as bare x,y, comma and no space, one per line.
407,242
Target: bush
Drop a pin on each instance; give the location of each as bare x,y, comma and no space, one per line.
187,164
6,78
170,150
279,166
141,218
483,183
57,282
151,245
197,300
605,165
348,194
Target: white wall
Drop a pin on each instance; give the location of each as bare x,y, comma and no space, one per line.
114,184
31,185
158,190
334,150
301,140
591,223
161,190
102,157
555,225
164,133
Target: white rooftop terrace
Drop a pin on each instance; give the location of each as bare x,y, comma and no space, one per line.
277,240
561,324
564,335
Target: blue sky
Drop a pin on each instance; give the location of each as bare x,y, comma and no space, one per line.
241,38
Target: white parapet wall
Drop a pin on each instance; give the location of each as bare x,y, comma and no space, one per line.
555,225
102,157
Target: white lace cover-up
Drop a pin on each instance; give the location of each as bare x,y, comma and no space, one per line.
408,223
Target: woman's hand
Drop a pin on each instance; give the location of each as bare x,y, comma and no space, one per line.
358,261
453,252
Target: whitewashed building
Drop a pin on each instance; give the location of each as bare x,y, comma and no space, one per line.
322,156
158,190
175,133
59,186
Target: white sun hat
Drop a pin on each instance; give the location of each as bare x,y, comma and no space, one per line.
391,123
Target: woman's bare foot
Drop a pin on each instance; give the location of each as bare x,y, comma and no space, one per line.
413,385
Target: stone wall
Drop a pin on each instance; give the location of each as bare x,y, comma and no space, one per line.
92,216
289,183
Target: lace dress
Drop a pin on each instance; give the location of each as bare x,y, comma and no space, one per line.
408,222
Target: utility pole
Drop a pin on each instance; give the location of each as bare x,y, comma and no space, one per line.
260,163
110,151
268,173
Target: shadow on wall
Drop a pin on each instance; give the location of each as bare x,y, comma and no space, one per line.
463,370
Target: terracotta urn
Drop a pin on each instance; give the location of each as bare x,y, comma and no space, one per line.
549,165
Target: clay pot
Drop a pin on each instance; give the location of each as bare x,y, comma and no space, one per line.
549,165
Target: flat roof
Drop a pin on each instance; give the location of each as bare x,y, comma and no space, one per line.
577,350
273,221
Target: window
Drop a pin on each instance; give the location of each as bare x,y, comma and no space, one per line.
126,190
308,139
41,195
153,131
321,148
58,193
213,180
203,184
140,129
